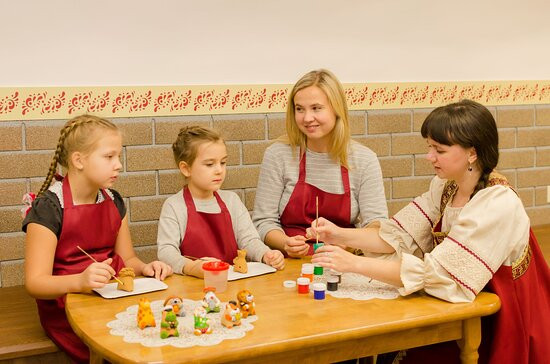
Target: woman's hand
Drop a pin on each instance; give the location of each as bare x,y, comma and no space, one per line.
329,233
296,246
334,257
275,259
96,275
157,269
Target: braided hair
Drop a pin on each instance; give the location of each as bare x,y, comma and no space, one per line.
189,138
76,135
468,124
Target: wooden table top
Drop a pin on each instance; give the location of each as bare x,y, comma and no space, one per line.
287,321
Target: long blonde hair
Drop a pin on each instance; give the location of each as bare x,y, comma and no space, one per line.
78,134
340,135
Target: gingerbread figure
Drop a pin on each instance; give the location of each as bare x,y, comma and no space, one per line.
201,322
177,305
169,323
232,315
145,315
210,302
239,263
246,303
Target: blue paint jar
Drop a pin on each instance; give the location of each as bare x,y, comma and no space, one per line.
319,291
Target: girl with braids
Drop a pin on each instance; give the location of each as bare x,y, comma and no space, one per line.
468,232
201,220
80,210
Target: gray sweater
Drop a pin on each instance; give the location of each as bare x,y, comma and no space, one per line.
279,174
173,223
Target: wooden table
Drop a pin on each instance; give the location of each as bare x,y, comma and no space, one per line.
292,327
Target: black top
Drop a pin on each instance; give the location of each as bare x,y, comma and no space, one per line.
46,210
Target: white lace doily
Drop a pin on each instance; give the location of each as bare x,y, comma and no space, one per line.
360,287
126,325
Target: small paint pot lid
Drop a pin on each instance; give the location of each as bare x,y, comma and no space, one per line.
319,287
302,281
289,284
332,279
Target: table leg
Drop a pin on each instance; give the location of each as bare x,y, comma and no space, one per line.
95,358
471,338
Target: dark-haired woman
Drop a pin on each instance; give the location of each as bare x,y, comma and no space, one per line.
468,232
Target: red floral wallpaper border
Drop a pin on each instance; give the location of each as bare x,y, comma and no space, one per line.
30,103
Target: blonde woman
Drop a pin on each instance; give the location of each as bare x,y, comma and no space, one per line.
316,161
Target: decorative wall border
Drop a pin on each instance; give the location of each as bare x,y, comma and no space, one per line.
32,103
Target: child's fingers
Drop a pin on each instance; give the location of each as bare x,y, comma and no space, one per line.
106,264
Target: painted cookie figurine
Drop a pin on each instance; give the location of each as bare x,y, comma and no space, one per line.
177,305
169,323
232,315
210,302
246,303
239,263
202,323
126,276
145,315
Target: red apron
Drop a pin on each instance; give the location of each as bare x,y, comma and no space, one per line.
299,212
94,227
208,235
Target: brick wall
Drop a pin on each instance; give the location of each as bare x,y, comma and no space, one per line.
149,176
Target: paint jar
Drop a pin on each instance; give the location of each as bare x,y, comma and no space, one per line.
332,283
336,274
319,291
317,246
317,270
303,285
307,271
215,275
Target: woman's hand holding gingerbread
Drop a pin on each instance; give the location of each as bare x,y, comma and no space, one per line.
275,259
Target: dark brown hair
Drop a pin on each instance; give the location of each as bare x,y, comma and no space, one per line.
468,124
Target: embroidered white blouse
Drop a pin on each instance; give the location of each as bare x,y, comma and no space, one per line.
492,229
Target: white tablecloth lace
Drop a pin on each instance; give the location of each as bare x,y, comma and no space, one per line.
125,325
359,287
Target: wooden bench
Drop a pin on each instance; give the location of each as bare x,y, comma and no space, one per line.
22,339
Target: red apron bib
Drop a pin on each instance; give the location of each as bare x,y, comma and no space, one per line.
299,212
208,235
94,227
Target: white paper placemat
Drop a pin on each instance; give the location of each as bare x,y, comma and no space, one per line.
141,285
254,269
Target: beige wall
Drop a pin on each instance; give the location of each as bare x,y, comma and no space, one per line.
213,42
149,177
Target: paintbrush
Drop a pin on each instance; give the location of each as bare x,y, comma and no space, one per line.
92,258
316,219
